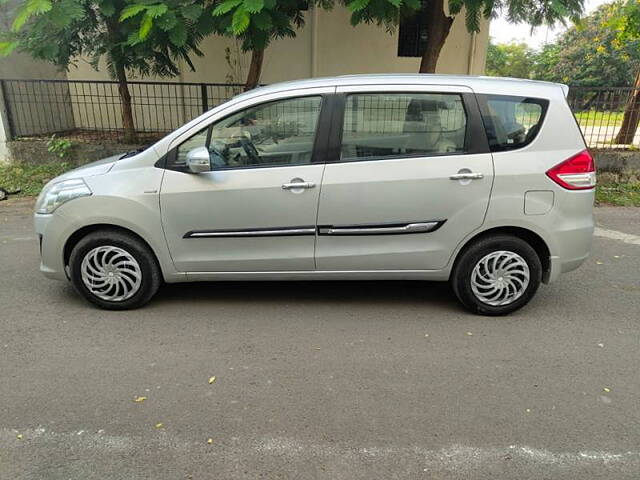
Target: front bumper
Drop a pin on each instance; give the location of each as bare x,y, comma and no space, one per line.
53,231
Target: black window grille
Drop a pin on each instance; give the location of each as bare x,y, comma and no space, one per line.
412,34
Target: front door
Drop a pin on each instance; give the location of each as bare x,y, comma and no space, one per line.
410,176
256,209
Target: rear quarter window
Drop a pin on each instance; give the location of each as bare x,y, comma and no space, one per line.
511,122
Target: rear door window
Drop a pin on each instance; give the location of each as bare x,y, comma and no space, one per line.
511,122
399,125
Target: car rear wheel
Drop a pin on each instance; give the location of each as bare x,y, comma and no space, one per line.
497,275
114,270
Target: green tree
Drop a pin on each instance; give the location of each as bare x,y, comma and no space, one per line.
62,31
437,21
255,23
591,53
627,27
510,60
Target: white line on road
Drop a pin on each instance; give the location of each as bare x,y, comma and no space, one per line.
17,239
616,235
458,458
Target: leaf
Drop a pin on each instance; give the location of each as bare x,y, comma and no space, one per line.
131,11
154,11
358,5
240,21
139,399
167,21
212,379
607,390
253,6
395,3
178,35
262,20
159,425
145,26
107,8
226,7
192,12
7,47
30,8
209,441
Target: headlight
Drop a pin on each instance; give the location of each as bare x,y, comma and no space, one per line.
58,193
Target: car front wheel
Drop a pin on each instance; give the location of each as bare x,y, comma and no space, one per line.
114,270
497,275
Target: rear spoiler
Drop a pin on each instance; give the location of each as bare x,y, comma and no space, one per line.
565,89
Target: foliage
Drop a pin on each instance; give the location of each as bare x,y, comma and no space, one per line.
592,53
58,146
31,178
531,12
510,60
62,31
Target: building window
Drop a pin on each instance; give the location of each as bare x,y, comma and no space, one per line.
412,34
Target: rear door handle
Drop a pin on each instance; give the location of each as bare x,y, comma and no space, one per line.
467,176
296,185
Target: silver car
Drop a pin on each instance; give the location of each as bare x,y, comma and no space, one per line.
482,182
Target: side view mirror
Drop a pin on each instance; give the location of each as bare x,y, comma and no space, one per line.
198,160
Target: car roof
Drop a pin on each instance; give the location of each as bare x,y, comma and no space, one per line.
479,84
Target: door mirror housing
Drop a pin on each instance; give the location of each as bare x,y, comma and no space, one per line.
199,160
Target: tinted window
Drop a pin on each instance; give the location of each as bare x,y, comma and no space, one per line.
402,124
511,122
271,134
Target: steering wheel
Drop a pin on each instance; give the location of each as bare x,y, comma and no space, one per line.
250,149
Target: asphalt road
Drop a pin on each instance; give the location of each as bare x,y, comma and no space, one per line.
335,380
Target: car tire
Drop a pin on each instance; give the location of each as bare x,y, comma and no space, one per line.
496,275
114,270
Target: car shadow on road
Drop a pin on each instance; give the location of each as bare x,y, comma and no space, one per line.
344,292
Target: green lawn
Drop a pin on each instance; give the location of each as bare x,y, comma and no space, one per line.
618,194
594,118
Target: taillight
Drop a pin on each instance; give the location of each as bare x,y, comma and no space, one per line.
576,173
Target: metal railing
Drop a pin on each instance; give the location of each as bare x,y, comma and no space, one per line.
92,109
608,116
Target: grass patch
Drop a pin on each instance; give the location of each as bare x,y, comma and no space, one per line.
593,118
618,194
31,178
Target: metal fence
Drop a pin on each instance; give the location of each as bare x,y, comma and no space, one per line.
601,113
92,109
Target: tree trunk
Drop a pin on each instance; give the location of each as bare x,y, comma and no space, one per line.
125,105
437,25
255,70
631,117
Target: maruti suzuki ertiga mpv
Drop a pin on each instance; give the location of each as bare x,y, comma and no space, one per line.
486,183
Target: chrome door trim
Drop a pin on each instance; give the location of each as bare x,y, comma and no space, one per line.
384,229
466,176
295,185
253,232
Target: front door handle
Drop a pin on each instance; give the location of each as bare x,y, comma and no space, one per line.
297,185
467,176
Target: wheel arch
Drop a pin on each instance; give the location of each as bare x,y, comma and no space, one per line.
82,232
532,238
